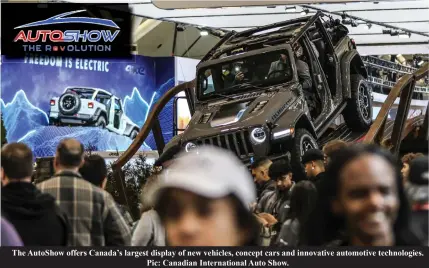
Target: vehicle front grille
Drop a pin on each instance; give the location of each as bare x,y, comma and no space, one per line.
237,142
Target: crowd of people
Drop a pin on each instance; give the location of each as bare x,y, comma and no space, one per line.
353,194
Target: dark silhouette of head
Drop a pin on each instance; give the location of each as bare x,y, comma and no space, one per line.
94,170
69,155
16,162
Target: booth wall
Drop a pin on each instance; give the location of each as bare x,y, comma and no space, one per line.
28,86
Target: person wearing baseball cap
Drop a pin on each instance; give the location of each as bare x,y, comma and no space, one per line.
203,200
314,166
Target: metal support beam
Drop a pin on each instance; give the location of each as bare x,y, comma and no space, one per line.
173,50
157,134
401,116
191,46
365,20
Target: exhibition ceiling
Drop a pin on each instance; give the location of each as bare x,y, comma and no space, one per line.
378,27
405,23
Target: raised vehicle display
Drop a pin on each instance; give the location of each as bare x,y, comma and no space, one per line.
91,107
274,90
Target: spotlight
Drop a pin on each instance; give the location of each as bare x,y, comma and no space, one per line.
204,33
388,31
305,11
368,26
290,9
349,22
180,28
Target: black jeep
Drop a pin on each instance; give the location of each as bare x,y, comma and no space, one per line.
274,90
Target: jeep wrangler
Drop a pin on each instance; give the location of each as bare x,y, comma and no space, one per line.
91,107
253,96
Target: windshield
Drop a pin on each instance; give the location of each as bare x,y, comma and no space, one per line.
84,93
226,78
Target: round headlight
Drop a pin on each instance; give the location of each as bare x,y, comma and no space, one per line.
190,146
258,136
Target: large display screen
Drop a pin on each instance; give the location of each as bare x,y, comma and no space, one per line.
102,103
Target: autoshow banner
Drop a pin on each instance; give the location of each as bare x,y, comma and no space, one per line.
101,102
68,30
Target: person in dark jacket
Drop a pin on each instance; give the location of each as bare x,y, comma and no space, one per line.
321,216
369,196
314,166
302,201
281,172
94,170
264,184
417,189
36,217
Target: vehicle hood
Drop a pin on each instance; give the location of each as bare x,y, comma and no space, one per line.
250,110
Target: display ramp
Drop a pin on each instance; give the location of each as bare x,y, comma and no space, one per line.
382,131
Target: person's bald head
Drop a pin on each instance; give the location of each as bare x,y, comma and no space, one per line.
69,154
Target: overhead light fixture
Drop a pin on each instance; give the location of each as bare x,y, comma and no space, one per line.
180,28
204,33
305,11
350,22
397,33
404,35
290,9
388,31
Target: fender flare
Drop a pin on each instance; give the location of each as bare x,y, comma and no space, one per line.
97,114
351,63
303,121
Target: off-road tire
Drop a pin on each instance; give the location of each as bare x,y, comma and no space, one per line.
101,122
73,103
133,134
358,112
302,142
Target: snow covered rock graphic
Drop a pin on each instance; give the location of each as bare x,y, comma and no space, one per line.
136,108
20,117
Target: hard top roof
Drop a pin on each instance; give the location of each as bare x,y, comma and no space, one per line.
269,35
91,88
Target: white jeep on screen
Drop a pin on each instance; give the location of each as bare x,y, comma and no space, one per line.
91,107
